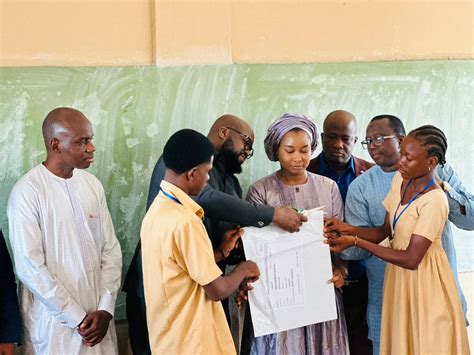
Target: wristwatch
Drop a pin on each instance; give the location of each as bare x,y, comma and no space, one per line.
346,272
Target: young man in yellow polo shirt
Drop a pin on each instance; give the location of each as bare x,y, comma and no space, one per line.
181,279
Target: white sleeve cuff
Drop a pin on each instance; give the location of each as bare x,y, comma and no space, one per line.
73,316
107,303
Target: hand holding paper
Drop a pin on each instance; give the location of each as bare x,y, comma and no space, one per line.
293,290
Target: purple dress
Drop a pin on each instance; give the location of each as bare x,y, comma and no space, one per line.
329,338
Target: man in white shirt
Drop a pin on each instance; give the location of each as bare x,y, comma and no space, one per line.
67,257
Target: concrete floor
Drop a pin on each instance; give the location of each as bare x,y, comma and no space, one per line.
122,337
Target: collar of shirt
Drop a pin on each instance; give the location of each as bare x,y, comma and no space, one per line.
183,198
219,162
344,179
326,170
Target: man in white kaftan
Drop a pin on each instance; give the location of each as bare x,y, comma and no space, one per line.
66,254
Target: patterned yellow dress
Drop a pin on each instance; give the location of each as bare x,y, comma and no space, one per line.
421,312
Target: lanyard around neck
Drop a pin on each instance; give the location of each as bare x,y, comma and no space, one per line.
395,217
171,197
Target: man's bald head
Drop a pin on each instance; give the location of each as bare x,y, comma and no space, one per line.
61,121
339,138
234,122
217,135
233,139
341,118
68,138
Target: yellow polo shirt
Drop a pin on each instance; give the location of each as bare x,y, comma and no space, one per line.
177,261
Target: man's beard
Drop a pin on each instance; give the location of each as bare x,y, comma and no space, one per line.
231,159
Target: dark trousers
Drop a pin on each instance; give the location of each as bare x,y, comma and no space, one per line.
137,328
247,332
355,296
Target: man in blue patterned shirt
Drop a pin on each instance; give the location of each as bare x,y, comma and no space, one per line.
364,208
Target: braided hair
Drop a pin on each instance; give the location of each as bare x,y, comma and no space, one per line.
434,141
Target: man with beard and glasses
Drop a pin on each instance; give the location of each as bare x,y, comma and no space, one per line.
224,211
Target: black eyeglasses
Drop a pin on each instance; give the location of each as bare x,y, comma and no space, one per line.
246,140
376,141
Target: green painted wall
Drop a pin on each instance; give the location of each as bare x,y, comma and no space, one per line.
135,109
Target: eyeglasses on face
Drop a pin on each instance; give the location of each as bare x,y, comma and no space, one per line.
377,141
248,143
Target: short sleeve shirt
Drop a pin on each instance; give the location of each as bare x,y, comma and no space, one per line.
426,216
177,261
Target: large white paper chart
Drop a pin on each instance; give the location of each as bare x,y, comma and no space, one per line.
293,289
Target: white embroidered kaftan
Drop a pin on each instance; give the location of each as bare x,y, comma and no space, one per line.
67,258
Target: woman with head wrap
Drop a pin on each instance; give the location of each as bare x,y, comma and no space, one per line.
292,140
